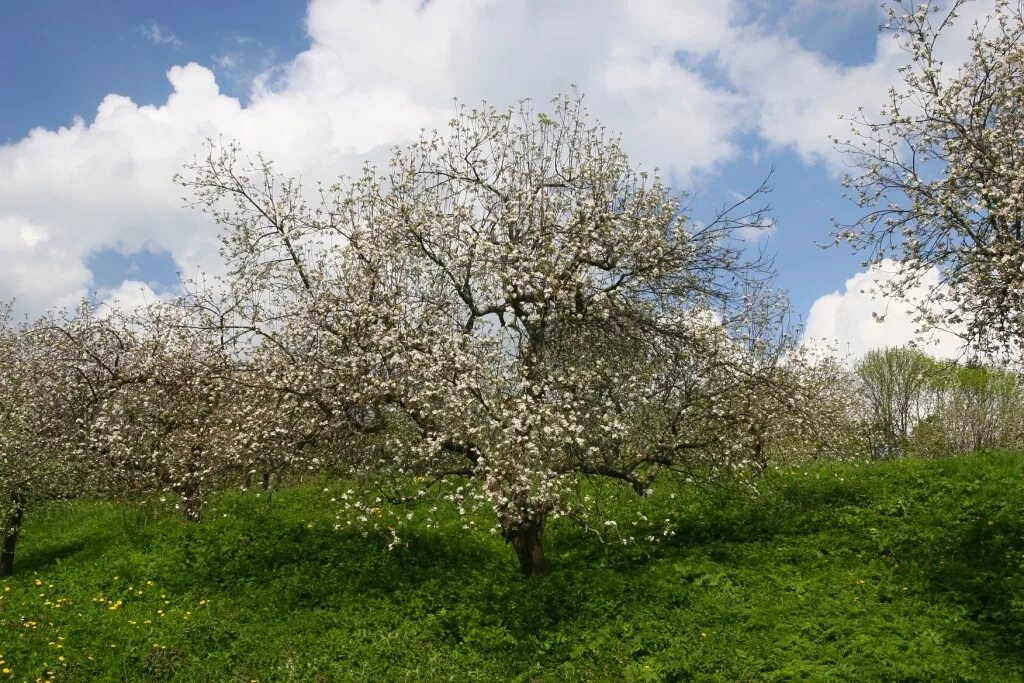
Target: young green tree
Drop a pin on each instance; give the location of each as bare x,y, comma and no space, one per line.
941,174
894,384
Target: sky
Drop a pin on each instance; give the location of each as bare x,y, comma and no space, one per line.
105,101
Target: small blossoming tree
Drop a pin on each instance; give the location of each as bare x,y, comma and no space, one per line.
162,425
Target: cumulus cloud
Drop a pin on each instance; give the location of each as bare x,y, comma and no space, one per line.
684,80
800,96
856,320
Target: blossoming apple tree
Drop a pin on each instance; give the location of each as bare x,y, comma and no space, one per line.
941,174
509,305
162,426
49,393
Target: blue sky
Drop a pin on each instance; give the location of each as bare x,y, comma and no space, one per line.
61,57
125,91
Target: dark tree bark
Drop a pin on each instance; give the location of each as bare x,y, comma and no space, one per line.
13,531
526,538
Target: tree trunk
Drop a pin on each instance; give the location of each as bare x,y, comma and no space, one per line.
192,504
12,531
191,489
760,459
526,537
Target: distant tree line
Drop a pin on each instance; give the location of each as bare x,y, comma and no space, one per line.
914,403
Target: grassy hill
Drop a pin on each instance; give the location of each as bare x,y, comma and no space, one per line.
910,570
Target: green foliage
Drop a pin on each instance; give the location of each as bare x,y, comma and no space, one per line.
913,403
906,570
892,384
973,407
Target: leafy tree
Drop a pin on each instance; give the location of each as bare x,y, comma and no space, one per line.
973,407
894,385
797,404
823,412
510,306
181,413
941,174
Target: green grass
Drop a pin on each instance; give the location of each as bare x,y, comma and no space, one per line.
909,570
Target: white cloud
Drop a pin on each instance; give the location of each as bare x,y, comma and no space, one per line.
759,233
800,95
375,74
159,35
848,320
